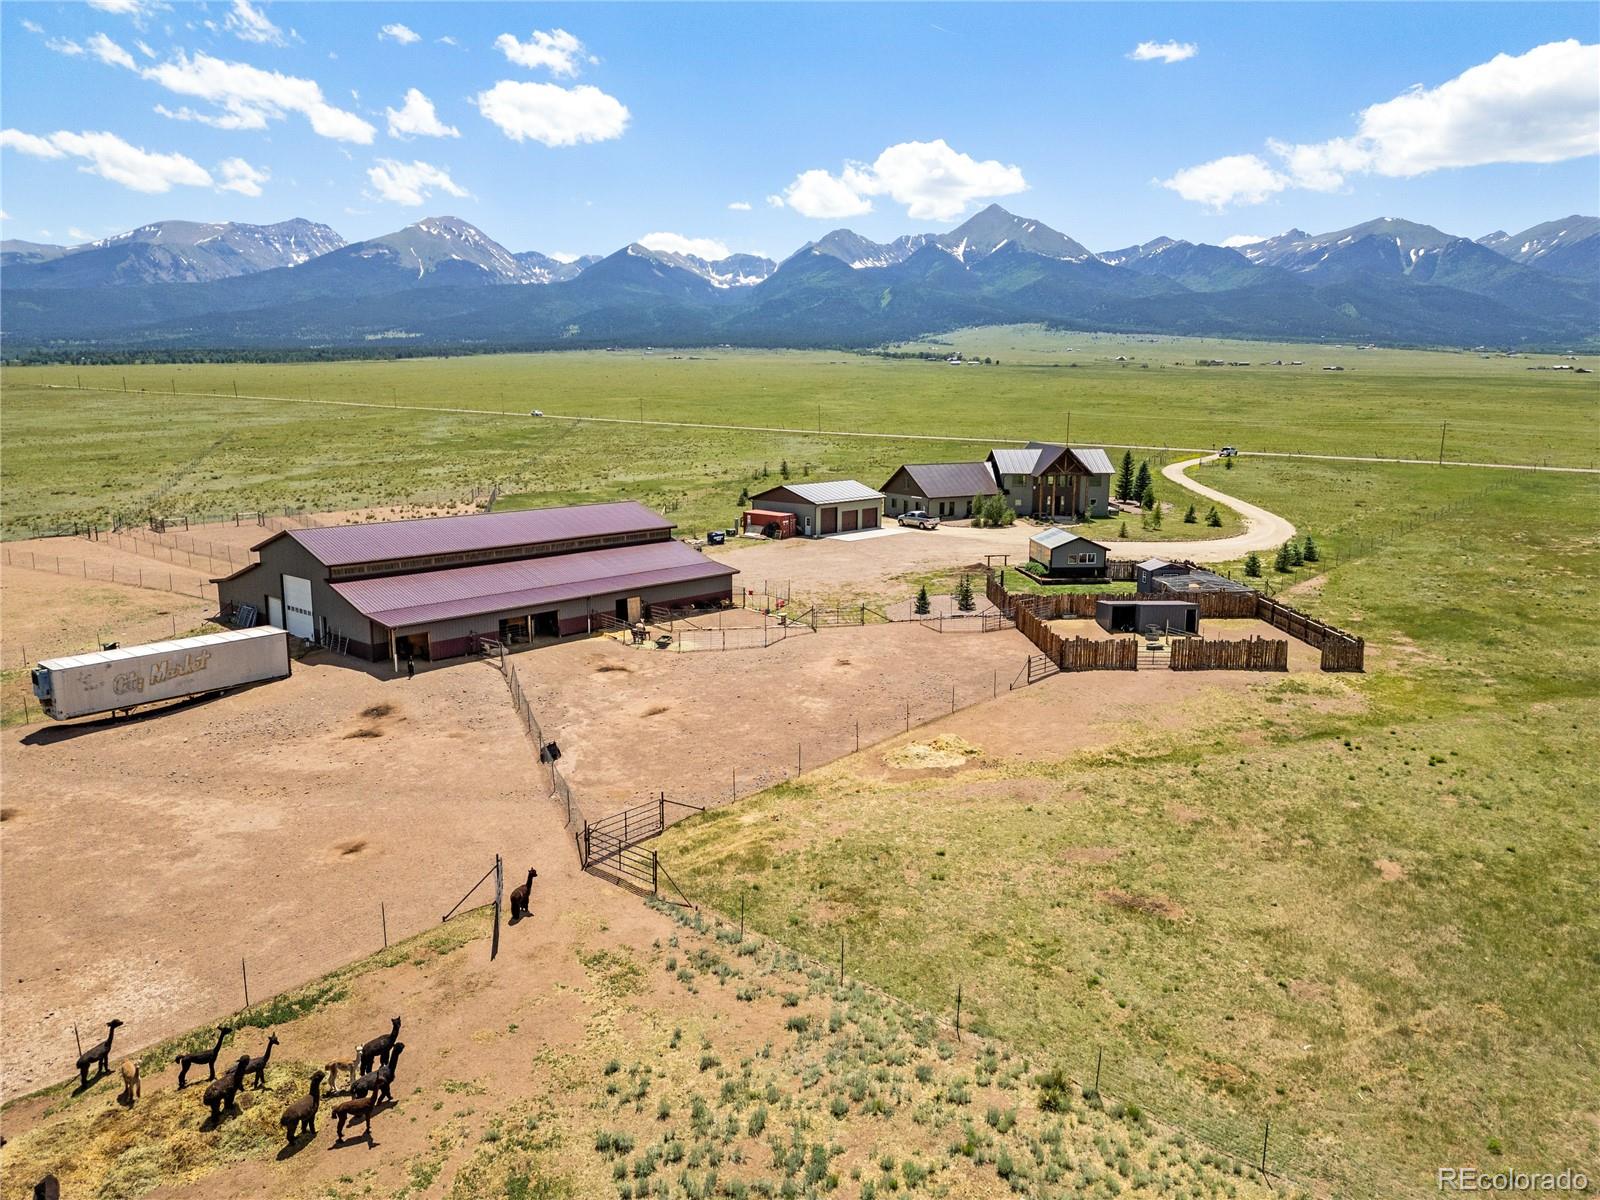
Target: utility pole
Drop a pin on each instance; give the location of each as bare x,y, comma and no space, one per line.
1443,425
1069,427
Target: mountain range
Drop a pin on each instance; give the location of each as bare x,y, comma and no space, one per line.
442,283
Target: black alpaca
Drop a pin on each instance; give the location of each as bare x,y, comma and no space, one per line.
301,1116
258,1066
220,1094
97,1056
378,1047
201,1058
520,896
380,1080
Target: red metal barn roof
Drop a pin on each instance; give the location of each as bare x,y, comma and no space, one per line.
526,584
343,545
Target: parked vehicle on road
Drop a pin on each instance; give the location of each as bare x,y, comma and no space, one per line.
1227,452
919,519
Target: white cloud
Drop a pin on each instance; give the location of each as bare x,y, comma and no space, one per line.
239,176
144,49
4,215
775,201
417,118
562,256
32,26
1167,52
739,206
139,10
446,40
399,33
249,24
933,181
109,157
1537,107
77,234
675,243
411,183
109,52
249,97
551,114
1242,239
1235,179
65,46
557,50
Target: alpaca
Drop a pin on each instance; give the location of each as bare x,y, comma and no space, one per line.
220,1093
378,1047
390,1067
358,1109
201,1058
376,1080
520,895
346,1067
48,1188
301,1116
258,1066
130,1081
97,1056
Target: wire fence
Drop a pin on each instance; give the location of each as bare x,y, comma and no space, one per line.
152,578
546,752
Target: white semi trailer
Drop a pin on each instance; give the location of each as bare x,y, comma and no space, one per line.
112,680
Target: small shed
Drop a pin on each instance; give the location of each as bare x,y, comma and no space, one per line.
1066,555
1136,615
768,522
1151,569
823,509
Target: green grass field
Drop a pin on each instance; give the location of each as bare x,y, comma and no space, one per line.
90,454
1362,906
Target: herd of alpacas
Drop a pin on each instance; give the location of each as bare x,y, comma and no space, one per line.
369,1072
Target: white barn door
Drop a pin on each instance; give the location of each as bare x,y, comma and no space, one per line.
297,608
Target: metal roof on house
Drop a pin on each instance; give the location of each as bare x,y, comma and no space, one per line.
1094,460
1052,538
838,491
944,480
525,584
1154,564
343,545
1017,462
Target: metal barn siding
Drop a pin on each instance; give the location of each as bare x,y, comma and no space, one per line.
1135,615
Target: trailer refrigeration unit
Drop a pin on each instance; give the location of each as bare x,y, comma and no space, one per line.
114,680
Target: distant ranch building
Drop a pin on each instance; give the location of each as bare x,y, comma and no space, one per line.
824,509
430,588
943,489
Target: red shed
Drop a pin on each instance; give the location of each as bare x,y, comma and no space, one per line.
757,519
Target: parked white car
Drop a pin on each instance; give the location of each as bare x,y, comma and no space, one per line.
918,519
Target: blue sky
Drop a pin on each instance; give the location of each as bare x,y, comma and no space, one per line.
576,129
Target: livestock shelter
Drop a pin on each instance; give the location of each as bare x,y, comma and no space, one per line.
1067,555
1054,482
1138,615
824,509
1146,574
943,489
1189,580
432,588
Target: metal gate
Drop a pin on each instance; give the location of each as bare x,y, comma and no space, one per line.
297,608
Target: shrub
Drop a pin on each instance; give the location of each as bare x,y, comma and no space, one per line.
1190,517
1214,518
1123,532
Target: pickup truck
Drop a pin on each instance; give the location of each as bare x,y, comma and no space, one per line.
919,519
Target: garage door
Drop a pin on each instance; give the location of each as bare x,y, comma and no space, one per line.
869,518
851,516
297,608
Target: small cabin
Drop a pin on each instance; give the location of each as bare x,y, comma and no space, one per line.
1062,554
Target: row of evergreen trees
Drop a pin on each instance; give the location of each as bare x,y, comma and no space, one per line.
1293,553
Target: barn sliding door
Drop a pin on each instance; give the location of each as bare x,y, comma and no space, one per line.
297,608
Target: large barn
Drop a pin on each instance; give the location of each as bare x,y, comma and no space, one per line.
430,588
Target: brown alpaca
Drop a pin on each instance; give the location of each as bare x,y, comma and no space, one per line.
220,1093
358,1109
130,1082
378,1047
258,1066
301,1116
201,1058
346,1068
97,1057
520,896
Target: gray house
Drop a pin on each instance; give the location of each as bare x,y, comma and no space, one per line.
822,509
1066,555
943,489
431,588
1054,482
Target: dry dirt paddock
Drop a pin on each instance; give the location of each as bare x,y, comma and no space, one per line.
143,858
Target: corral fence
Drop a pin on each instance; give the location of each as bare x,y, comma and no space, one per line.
1248,654
974,622
1078,654
1341,651
150,578
608,845
546,752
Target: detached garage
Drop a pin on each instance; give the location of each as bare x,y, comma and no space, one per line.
824,509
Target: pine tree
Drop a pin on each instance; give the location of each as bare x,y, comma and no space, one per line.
1123,532
1310,551
1252,565
744,496
1147,495
783,468
1190,517
964,600
1281,563
1125,477
1141,481
1155,516
1214,518
1227,464
923,605
1297,557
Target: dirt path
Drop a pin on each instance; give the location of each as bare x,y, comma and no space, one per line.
1263,530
